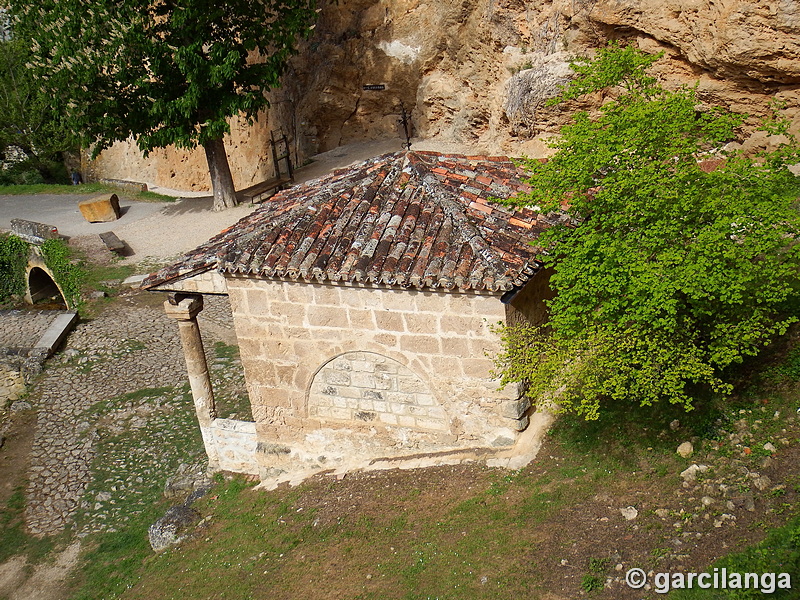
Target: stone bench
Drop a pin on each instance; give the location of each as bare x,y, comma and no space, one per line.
112,242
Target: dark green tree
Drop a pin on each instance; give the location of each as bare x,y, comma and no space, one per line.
28,121
670,270
163,71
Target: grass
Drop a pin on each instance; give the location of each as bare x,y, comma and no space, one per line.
128,476
420,542
88,188
12,531
264,537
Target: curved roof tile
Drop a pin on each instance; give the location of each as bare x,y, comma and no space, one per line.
411,219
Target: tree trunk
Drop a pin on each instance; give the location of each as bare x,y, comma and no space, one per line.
221,179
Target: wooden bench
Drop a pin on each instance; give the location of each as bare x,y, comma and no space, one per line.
263,191
112,242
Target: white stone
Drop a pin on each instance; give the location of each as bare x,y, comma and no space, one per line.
685,449
403,52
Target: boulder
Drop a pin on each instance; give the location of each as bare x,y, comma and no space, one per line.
173,527
100,209
685,449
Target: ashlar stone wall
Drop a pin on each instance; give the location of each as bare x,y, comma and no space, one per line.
339,375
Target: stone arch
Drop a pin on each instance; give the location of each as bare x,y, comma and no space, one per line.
40,285
369,388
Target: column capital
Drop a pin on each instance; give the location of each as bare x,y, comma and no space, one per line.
183,307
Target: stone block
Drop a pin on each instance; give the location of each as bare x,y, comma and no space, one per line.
406,421
522,424
326,295
514,409
426,400
477,367
363,380
336,377
430,302
386,339
421,323
420,344
389,321
365,366
33,232
456,346
457,325
288,312
257,302
343,414
461,304
428,423
299,293
411,385
100,209
447,367
388,419
360,319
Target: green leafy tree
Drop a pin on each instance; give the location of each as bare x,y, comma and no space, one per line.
669,271
163,71
28,121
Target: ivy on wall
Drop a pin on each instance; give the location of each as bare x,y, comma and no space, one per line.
13,260
13,267
68,276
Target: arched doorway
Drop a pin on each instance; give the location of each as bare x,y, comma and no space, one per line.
43,289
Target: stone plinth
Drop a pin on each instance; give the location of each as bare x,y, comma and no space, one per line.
100,209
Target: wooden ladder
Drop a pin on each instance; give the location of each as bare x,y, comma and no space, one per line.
266,189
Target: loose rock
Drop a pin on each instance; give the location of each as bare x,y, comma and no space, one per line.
173,527
685,449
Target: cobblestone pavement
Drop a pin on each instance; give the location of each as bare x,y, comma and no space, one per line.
24,328
130,346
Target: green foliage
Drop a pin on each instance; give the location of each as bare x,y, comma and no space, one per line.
591,583
68,275
613,66
166,72
13,260
665,274
28,121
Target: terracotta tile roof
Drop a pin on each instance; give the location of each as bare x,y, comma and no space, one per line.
410,219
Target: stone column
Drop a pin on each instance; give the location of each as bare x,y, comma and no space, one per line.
184,308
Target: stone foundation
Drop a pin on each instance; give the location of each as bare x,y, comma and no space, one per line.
235,443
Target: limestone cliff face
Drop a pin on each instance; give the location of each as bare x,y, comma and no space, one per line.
474,74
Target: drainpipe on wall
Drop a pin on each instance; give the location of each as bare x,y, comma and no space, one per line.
184,308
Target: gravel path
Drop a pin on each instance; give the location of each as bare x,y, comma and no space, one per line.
129,347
